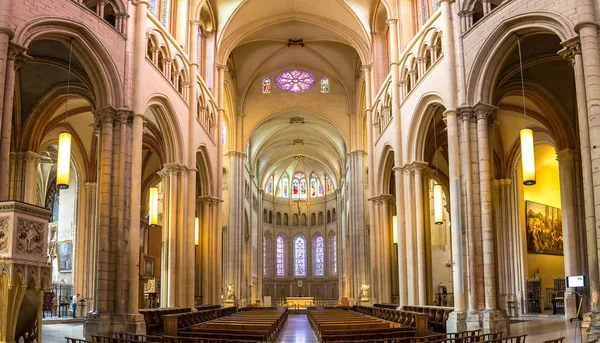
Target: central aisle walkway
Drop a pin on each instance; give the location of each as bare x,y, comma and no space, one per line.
297,330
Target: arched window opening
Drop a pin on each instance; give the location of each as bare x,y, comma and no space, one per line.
313,219
278,218
285,219
92,5
333,215
173,73
266,253
164,12
282,190
328,216
303,219
320,220
319,256
265,216
299,186
269,189
270,217
161,61
428,58
180,82
266,85
295,220
324,85
438,47
150,50
334,254
109,15
280,250
329,185
153,9
409,84
299,256
316,190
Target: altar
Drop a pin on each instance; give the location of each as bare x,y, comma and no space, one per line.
299,302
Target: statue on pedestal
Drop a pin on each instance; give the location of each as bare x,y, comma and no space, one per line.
364,289
230,291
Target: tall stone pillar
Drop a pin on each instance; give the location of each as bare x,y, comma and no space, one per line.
410,238
89,261
573,54
386,289
588,34
357,226
32,161
235,270
419,168
494,320
568,204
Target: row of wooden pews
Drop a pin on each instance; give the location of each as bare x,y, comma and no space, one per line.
418,321
174,323
255,325
437,315
338,325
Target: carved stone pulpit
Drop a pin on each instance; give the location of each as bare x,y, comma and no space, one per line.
24,270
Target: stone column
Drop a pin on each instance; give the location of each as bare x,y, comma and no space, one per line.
411,251
457,319
569,219
418,168
90,234
13,53
32,161
172,232
572,52
494,320
388,242
588,33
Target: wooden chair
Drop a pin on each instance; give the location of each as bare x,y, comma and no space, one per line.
76,340
557,340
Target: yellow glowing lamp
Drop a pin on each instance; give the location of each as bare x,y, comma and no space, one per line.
528,156
196,228
153,206
395,229
64,160
438,213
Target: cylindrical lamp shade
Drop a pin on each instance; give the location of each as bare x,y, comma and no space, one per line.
196,228
438,205
153,206
527,156
395,229
64,160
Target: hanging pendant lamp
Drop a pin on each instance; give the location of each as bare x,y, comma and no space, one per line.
64,139
526,135
395,229
153,206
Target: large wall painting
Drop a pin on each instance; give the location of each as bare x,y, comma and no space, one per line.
544,229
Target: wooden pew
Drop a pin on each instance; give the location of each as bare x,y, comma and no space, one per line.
181,321
154,317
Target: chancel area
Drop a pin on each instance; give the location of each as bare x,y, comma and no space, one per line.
184,171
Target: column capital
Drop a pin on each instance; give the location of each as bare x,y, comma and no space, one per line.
391,21
565,157
104,115
31,157
367,67
484,111
196,22
17,53
420,166
124,116
222,67
466,113
572,47
90,186
234,153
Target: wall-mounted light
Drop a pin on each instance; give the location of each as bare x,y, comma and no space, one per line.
438,205
196,233
395,229
153,206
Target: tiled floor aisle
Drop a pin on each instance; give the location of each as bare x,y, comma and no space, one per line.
297,330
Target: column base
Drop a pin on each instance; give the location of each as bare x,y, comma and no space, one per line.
590,326
570,304
496,321
457,321
474,320
105,324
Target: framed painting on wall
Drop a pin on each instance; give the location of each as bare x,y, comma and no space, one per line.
65,250
544,229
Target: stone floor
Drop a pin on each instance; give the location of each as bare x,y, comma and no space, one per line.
297,330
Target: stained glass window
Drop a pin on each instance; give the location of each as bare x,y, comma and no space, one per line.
280,256
315,186
270,186
164,12
334,254
266,85
152,8
324,85
282,189
424,13
198,40
264,255
299,186
223,131
319,257
435,5
299,256
295,81
328,185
